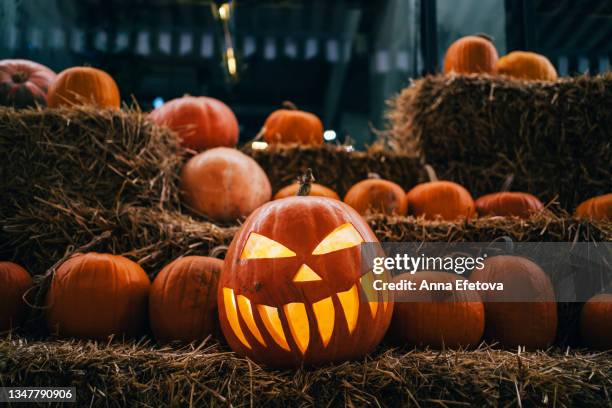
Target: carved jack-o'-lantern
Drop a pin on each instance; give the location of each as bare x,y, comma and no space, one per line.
291,288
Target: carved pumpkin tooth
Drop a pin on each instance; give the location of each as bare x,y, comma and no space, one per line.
270,318
371,295
246,311
325,314
350,304
298,324
232,315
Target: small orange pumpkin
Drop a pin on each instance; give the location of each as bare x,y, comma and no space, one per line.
596,208
93,296
14,282
474,54
526,65
596,322
84,86
290,125
183,299
377,195
200,122
315,190
437,318
440,199
533,323
507,203
224,184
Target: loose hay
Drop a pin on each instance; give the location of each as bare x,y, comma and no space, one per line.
556,138
129,374
335,167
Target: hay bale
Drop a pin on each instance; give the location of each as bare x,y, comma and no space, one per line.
554,137
101,158
41,235
70,172
335,166
130,374
544,227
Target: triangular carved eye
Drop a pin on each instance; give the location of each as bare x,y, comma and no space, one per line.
345,236
259,247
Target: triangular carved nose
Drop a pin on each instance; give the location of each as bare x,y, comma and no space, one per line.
305,274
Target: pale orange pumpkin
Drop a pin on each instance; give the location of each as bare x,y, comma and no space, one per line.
596,208
526,65
183,299
93,296
531,323
437,319
596,322
200,122
24,83
377,195
315,190
290,125
224,184
474,54
14,283
84,86
440,199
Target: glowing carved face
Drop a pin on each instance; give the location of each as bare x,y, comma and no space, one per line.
290,291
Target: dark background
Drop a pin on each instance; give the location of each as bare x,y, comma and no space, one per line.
339,59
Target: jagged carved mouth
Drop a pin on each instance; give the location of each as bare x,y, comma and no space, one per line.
326,315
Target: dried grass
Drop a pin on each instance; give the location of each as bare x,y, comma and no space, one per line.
335,166
130,374
556,138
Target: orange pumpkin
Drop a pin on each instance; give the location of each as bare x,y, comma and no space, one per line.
289,292
84,86
93,296
290,125
531,323
507,203
474,54
440,199
224,184
377,195
596,208
596,322
315,190
437,319
14,282
200,122
526,65
24,83
183,299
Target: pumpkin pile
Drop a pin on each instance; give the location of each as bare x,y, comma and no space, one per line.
476,54
289,291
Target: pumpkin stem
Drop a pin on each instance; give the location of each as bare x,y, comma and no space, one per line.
289,105
305,181
485,36
19,77
507,183
509,244
431,173
372,175
218,250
